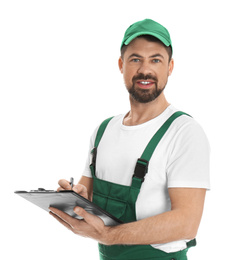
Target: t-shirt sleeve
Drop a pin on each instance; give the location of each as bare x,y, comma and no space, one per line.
188,162
87,171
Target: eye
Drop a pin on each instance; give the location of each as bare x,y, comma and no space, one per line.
135,60
155,60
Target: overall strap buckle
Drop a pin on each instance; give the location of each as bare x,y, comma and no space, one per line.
93,164
141,169
192,243
94,156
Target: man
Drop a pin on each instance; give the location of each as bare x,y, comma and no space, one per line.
149,167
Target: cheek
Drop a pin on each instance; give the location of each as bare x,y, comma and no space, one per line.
163,73
128,74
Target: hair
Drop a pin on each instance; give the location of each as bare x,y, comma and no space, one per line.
149,38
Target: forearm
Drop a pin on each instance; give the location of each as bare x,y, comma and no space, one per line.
180,223
169,226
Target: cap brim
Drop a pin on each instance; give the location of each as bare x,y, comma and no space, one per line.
131,38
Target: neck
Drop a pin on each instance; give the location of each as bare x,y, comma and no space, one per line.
141,113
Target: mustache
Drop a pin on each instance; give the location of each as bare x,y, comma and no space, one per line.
142,76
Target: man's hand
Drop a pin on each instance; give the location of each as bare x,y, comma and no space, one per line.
91,226
79,188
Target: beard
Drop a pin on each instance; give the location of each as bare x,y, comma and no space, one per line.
145,95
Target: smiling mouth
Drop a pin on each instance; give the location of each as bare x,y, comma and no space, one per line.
145,83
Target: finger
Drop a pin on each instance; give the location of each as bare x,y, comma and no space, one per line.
61,220
64,184
89,218
81,189
59,189
78,188
80,211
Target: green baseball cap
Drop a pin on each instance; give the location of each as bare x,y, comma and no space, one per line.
147,27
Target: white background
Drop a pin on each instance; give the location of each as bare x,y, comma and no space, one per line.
60,79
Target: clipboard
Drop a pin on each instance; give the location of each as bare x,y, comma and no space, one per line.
66,201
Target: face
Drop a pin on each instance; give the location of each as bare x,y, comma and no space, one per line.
146,68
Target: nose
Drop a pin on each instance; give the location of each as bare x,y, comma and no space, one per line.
144,68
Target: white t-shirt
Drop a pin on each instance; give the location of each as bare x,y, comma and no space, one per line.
181,159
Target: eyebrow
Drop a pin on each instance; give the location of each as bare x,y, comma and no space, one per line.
135,55
152,56
157,55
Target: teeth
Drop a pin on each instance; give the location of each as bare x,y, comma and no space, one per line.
145,82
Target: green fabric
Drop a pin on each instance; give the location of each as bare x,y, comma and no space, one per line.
101,131
138,252
147,27
120,200
136,182
116,199
150,148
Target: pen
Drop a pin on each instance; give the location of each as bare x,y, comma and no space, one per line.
71,182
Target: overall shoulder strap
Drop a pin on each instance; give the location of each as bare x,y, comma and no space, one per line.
141,167
99,135
150,148
100,131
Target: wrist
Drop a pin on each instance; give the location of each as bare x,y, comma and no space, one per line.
109,236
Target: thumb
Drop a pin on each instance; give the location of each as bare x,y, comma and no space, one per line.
90,219
83,213
81,190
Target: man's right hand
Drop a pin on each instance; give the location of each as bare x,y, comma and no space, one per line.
79,188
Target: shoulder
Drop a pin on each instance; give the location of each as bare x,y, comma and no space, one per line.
186,134
109,122
188,154
186,125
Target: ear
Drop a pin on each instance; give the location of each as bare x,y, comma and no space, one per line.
120,64
171,67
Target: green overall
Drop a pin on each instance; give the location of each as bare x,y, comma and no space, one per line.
119,200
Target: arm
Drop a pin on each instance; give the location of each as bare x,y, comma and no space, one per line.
180,223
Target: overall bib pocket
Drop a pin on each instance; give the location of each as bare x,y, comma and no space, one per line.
116,207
